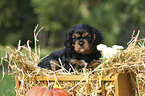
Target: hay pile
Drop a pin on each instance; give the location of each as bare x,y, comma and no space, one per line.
22,62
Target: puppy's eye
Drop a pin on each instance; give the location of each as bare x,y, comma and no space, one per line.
88,36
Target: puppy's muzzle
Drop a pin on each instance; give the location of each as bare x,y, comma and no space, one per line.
81,42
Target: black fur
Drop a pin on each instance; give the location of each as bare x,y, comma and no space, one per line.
69,53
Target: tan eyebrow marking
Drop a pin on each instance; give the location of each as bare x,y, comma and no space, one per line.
77,35
85,34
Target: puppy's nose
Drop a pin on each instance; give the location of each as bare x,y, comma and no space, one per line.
81,43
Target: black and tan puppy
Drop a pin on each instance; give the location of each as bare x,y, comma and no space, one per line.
80,50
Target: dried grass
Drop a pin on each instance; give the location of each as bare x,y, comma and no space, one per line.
22,62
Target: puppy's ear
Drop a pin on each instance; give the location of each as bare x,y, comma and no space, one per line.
68,38
97,37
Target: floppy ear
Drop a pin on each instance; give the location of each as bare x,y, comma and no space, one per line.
97,37
68,38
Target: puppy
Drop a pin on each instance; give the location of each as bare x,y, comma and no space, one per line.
79,52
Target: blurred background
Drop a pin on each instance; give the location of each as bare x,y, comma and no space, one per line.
115,19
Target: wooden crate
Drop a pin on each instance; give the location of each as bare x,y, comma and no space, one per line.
123,83
72,79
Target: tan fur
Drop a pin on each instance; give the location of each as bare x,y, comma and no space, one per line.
94,63
54,64
77,35
85,49
78,62
85,34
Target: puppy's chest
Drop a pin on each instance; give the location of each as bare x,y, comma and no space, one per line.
83,63
78,62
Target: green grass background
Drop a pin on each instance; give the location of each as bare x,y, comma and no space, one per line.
7,85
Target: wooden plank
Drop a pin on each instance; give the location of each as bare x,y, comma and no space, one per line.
62,78
123,86
45,83
103,88
108,79
73,83
17,85
88,88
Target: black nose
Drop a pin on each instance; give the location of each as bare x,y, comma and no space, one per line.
81,42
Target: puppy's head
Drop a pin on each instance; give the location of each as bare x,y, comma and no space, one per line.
83,38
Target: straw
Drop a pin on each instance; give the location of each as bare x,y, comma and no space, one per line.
22,62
